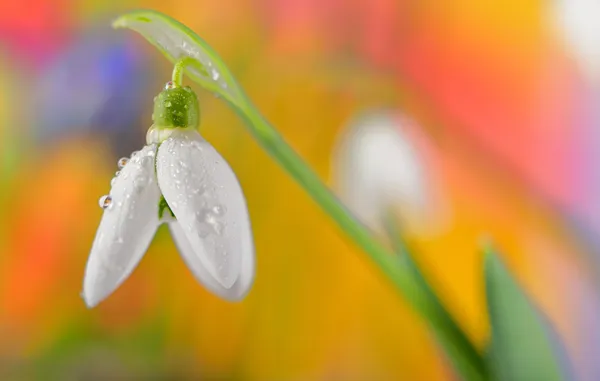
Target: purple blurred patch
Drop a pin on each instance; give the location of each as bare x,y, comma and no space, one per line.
97,85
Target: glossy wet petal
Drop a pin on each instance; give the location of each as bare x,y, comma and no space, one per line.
127,227
237,291
207,200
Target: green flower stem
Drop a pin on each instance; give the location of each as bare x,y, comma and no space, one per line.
179,68
459,349
404,274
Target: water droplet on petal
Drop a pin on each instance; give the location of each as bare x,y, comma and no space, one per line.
113,181
105,202
218,227
140,182
134,154
122,162
169,85
203,232
152,136
219,210
210,218
117,173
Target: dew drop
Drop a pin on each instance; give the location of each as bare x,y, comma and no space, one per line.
168,104
215,74
105,202
169,85
218,227
134,154
122,162
152,136
203,232
219,210
117,173
210,218
113,181
140,182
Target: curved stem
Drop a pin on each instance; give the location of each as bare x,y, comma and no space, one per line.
461,352
408,282
177,76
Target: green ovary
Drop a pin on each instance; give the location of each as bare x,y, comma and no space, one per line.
176,107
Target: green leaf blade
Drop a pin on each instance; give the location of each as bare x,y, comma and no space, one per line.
522,346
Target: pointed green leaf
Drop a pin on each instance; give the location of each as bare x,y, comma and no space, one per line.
522,347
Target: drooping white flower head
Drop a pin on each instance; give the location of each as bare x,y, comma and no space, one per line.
577,21
178,178
379,168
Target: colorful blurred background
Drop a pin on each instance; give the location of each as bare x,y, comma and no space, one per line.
498,91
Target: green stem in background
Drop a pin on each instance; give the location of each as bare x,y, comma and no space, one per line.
459,349
403,273
176,42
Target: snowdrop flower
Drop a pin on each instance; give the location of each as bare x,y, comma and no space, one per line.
379,167
579,27
178,178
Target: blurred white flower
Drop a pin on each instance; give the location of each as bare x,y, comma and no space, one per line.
379,167
180,179
578,22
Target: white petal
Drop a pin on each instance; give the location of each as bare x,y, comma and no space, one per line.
126,229
577,21
377,167
237,291
208,202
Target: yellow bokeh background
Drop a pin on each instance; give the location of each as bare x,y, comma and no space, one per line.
319,309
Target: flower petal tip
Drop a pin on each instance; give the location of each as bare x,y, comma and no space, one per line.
90,300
